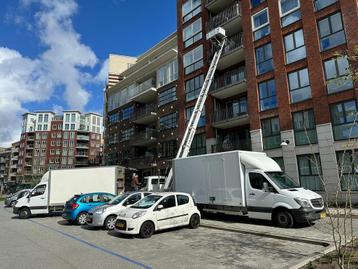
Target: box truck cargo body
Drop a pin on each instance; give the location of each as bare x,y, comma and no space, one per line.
246,183
58,186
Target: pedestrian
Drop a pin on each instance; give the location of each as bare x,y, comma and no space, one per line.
135,182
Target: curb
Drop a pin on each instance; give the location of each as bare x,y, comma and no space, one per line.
313,258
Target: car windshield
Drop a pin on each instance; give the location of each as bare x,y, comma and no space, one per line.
147,202
282,180
116,200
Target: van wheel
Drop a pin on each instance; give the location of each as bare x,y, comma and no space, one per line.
194,221
284,219
81,218
110,222
147,229
24,213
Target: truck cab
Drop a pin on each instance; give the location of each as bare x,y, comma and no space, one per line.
153,183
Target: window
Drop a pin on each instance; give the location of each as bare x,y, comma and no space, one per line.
280,162
255,3
46,118
337,73
168,202
198,146
113,118
309,170
193,87
73,126
65,135
167,73
264,62
67,117
348,167
168,148
127,134
192,33
344,120
290,11
54,127
295,46
40,118
202,120
167,96
267,91
45,127
67,126
65,143
190,9
39,127
299,85
113,138
331,32
128,113
260,24
320,4
271,133
73,117
40,190
257,181
132,199
305,127
168,121
193,60
182,199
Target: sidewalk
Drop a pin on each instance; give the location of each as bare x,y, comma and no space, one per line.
341,211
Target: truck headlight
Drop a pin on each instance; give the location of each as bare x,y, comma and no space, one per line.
138,214
100,210
303,202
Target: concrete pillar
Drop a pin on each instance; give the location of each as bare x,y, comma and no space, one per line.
289,154
256,140
209,143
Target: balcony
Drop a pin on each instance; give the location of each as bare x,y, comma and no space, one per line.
145,115
229,118
145,92
82,146
229,84
28,156
230,145
28,164
14,166
82,138
216,5
81,163
29,147
82,154
229,18
142,163
144,138
233,52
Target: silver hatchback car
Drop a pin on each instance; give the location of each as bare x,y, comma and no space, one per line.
12,198
105,215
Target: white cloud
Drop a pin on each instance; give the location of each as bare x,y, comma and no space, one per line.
61,64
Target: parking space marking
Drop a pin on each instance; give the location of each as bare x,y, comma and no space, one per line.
93,245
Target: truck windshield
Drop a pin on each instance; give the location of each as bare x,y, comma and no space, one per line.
118,199
147,201
282,180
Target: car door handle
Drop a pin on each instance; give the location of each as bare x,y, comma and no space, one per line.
251,194
42,198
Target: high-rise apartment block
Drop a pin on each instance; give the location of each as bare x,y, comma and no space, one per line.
53,141
278,79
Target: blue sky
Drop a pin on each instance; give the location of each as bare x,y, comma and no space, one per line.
53,52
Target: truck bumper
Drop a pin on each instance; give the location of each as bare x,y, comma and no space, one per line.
15,210
302,215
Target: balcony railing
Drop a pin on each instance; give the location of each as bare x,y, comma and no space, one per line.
82,146
233,42
147,134
227,114
143,162
83,137
229,78
228,145
146,85
144,111
224,16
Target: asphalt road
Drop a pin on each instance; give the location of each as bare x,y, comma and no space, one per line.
50,242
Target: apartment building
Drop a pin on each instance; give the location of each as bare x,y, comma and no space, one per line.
58,141
278,80
5,156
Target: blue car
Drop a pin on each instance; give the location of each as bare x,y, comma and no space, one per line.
77,207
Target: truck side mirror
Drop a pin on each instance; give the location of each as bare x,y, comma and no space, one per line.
266,187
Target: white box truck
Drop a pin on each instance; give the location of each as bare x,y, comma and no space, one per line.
58,186
247,183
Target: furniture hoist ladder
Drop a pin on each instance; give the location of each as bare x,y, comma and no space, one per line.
218,37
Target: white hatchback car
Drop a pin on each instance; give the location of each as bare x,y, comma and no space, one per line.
158,211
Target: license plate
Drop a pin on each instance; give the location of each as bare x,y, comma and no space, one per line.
120,225
323,215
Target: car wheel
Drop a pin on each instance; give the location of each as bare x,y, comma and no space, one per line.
24,213
147,229
110,222
284,219
12,203
81,218
194,221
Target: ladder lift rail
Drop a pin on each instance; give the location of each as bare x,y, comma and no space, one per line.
189,134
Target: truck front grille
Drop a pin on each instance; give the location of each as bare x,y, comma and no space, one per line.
317,202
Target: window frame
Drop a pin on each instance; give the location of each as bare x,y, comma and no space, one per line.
295,45
172,117
339,76
199,79
193,11
165,97
330,29
265,82
288,12
304,129
351,164
254,29
264,61
194,61
311,174
345,118
272,134
193,35
300,87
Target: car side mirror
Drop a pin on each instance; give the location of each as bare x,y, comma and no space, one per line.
266,187
160,207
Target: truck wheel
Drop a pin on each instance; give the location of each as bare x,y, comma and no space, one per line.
284,219
147,229
81,218
110,222
194,221
24,213
12,203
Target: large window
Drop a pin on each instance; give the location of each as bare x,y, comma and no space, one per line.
344,120
267,91
320,4
198,146
348,167
299,83
113,138
337,74
189,111
190,8
309,170
289,11
331,31
113,118
271,133
167,96
264,62
295,46
305,127
168,121
260,24
193,60
127,134
192,33
255,3
168,148
167,73
128,113
193,87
